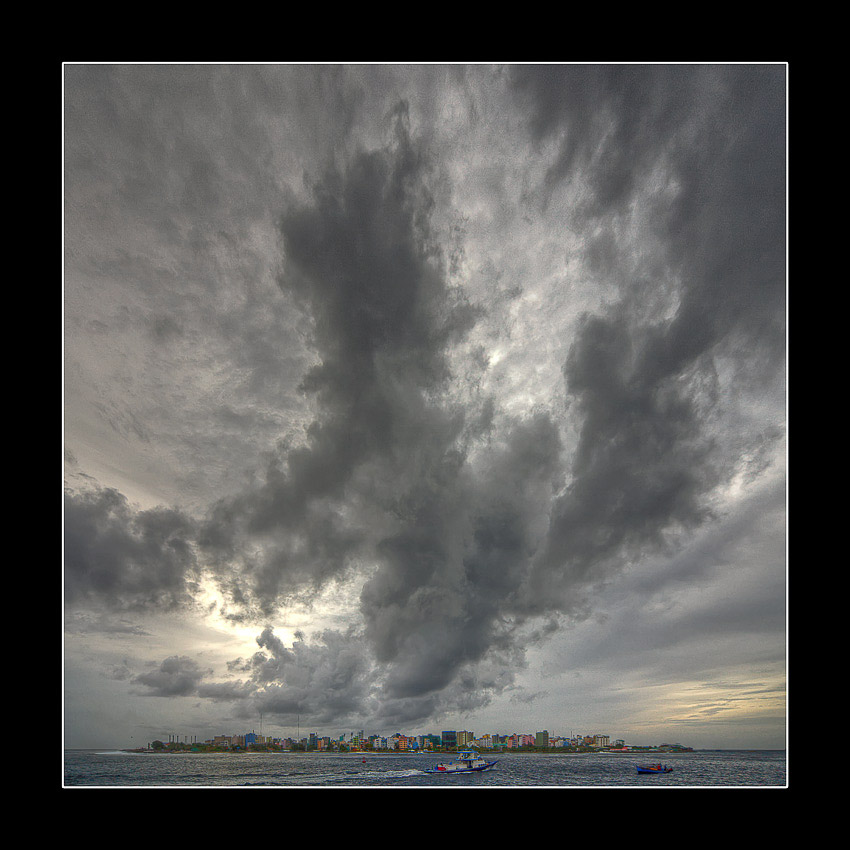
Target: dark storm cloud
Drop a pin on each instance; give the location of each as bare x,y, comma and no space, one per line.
610,122
716,134
438,603
641,467
176,676
644,384
360,259
126,558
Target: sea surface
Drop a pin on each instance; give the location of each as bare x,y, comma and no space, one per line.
703,768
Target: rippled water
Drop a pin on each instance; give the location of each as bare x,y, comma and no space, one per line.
727,768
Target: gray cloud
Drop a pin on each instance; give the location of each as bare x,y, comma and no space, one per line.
131,559
176,676
647,386
358,257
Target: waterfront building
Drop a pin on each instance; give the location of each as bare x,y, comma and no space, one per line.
448,739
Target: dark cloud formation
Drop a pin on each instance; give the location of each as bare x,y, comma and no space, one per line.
360,261
129,559
386,441
646,385
176,676
470,541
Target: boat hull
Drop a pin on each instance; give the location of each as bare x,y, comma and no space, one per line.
451,771
655,770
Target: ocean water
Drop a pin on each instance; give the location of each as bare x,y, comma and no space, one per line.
705,768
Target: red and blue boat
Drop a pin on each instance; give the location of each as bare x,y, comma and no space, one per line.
467,761
654,768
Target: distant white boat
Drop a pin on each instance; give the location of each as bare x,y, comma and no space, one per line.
467,761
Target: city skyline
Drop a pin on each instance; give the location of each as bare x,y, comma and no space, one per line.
457,737
401,395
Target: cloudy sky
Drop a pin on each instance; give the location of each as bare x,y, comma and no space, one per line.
423,397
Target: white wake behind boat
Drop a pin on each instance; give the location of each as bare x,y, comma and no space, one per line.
467,761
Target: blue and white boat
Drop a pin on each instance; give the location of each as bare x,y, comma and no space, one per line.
467,761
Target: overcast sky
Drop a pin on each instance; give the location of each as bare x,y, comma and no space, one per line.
402,398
